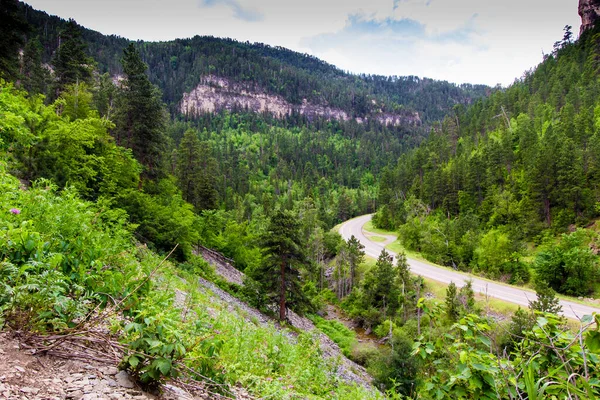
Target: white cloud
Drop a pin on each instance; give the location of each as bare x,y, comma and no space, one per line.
481,41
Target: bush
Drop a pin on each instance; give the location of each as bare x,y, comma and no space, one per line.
365,353
338,332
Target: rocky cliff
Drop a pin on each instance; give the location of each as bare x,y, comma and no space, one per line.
589,10
215,94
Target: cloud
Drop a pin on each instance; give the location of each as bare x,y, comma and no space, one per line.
390,46
398,2
244,13
389,33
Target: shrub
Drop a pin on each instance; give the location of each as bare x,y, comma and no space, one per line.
338,332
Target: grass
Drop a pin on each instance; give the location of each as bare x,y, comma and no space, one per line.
377,238
438,290
370,228
338,332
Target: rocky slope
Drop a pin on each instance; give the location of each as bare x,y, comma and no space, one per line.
346,368
589,10
27,375
215,94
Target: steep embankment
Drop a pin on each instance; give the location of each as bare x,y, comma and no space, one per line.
347,369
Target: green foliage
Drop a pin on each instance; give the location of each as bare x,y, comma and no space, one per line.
35,78
70,62
154,346
196,172
60,256
338,332
380,285
569,267
279,274
74,149
396,369
139,115
164,219
546,300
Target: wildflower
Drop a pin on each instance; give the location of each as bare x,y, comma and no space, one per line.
15,211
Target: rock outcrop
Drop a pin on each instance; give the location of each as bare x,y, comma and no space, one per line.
215,94
589,10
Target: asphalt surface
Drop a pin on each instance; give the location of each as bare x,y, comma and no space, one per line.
500,291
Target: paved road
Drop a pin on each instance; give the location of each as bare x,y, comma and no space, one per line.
508,293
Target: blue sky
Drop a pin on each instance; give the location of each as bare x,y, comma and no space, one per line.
475,41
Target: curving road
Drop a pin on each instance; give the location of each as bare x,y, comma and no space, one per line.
500,291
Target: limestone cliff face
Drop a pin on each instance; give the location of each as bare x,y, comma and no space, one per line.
215,94
589,10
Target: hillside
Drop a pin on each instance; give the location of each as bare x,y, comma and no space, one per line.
107,196
509,174
177,67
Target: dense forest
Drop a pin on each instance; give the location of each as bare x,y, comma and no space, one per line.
106,194
509,172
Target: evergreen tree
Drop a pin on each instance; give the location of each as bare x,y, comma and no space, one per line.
140,116
407,298
356,256
71,63
283,257
381,287
104,96
196,172
12,30
35,77
546,300
452,303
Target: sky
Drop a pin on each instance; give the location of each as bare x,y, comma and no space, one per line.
461,41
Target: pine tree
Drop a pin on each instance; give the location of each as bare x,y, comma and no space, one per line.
140,115
104,96
71,63
12,30
196,172
452,303
407,294
381,286
546,300
279,274
356,256
35,77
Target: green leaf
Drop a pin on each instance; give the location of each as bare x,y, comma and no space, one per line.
479,367
476,382
164,365
133,361
586,319
592,341
485,340
153,343
466,373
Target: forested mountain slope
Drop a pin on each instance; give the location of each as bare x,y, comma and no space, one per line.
513,169
177,67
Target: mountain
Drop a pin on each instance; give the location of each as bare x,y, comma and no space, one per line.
259,77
